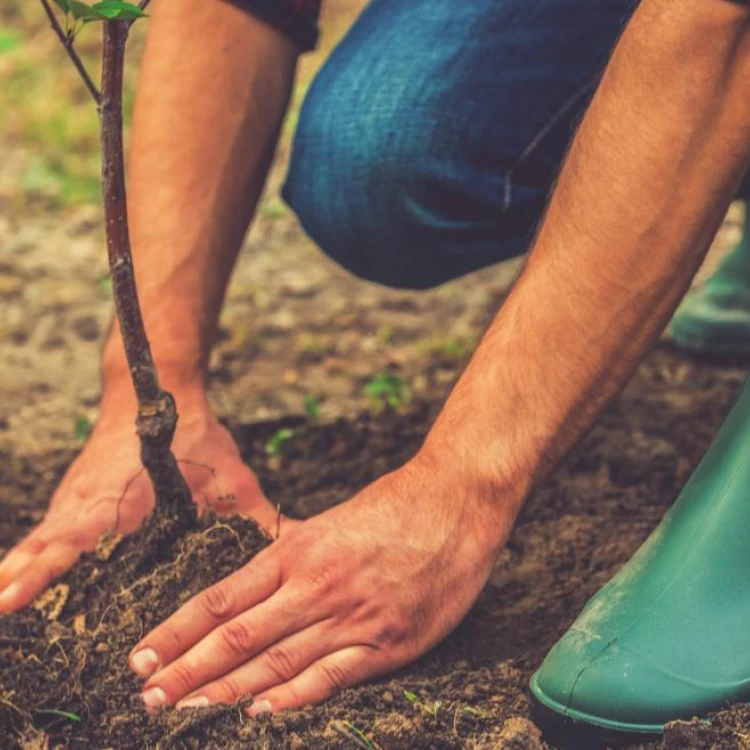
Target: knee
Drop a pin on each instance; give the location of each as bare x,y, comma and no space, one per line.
349,183
373,182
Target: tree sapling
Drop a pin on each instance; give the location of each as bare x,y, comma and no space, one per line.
156,419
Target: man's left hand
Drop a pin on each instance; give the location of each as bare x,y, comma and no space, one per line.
353,593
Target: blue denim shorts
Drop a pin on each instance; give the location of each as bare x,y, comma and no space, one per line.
430,139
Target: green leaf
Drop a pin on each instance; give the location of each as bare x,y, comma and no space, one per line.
279,440
117,9
64,5
56,712
411,697
104,284
10,41
82,428
354,734
312,407
273,208
82,12
387,389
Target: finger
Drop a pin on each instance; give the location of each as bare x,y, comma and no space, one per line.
322,680
18,558
276,665
56,560
227,647
218,604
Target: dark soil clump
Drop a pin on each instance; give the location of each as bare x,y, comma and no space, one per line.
69,654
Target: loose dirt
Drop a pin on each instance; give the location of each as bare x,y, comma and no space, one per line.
69,654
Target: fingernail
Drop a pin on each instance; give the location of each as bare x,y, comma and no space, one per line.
154,698
144,662
260,707
200,701
10,593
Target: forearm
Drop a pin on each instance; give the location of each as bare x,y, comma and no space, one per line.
649,176
214,87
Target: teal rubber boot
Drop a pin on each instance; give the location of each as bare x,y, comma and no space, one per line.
669,636
715,318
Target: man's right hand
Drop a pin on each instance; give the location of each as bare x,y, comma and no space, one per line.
107,490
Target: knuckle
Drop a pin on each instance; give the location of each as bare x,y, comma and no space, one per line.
292,698
280,662
323,579
181,676
172,636
217,601
238,637
33,545
336,676
228,690
389,633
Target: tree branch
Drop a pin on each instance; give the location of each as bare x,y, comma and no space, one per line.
67,42
142,5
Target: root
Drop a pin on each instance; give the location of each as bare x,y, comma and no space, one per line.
186,548
122,497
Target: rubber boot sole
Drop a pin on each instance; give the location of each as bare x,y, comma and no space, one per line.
574,730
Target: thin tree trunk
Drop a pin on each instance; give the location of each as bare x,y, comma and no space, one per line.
157,413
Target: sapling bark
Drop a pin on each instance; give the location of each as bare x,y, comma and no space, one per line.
157,416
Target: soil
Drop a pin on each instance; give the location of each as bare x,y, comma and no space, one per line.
69,653
296,325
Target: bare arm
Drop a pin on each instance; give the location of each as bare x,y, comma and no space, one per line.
644,188
214,87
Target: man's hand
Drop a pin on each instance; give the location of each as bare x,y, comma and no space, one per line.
356,592
106,489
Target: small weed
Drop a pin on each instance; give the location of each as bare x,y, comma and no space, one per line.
10,41
104,285
430,708
434,708
387,390
316,346
312,407
447,349
56,712
279,441
354,734
82,428
385,334
273,208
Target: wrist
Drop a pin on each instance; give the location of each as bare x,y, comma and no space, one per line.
180,373
119,404
487,498
495,465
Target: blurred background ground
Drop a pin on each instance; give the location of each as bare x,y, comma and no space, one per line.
295,326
